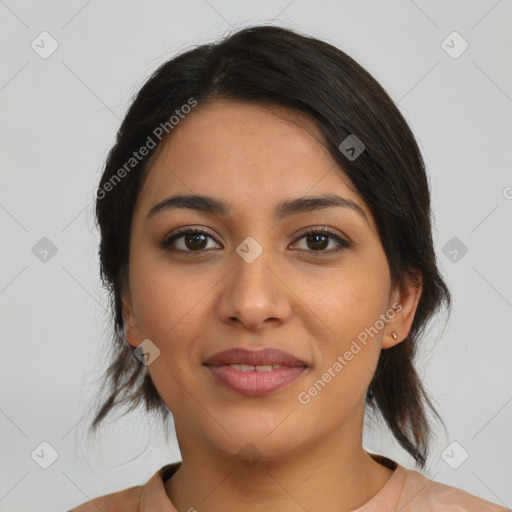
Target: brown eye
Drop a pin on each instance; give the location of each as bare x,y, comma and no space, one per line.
194,240
317,240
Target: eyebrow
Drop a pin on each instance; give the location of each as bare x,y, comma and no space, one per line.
283,209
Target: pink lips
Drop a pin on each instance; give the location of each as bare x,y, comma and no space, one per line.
255,381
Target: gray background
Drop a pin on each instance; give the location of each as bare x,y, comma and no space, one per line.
59,118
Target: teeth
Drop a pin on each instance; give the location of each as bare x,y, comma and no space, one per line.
242,367
266,368
250,367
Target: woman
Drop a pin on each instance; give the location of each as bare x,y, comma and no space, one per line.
266,238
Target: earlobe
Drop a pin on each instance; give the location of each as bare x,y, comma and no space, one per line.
132,335
405,303
393,336
130,330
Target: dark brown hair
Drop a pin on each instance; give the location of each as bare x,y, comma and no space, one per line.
273,65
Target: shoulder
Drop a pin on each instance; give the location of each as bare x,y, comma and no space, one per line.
126,500
134,498
420,493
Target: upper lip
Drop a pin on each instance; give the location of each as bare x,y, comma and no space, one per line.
267,356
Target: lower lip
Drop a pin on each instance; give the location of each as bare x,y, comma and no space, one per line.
254,382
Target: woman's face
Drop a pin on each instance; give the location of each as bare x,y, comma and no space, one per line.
256,279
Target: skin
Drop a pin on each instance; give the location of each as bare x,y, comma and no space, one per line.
292,297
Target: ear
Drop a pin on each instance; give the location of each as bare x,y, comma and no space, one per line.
131,329
404,303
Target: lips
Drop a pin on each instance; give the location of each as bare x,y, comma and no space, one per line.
265,357
255,372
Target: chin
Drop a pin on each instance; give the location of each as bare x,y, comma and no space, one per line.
260,439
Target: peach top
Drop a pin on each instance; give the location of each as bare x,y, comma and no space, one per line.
406,491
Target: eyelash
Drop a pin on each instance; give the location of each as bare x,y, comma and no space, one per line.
343,244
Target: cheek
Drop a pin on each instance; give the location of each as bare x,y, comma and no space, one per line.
350,306
163,293
347,361
171,309
350,300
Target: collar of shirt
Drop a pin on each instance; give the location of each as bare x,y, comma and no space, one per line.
153,497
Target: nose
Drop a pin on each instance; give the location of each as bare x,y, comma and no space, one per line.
254,292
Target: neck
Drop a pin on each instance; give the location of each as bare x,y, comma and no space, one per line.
334,475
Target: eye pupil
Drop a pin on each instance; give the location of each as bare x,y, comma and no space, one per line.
315,238
194,237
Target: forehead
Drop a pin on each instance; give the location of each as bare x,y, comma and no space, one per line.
248,154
